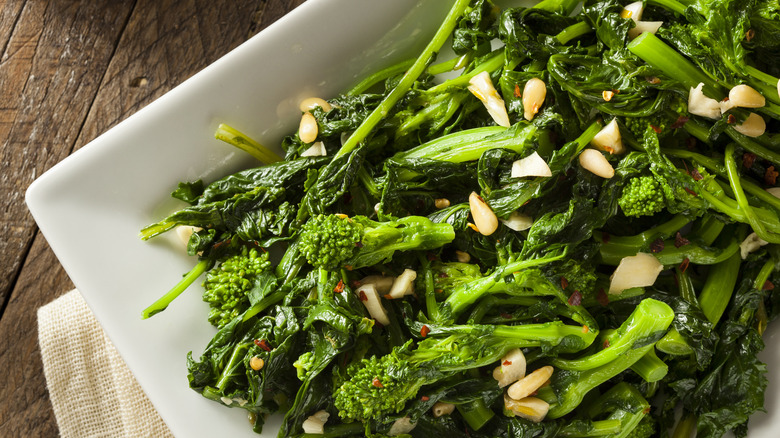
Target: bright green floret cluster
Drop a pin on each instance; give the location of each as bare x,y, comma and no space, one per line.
328,240
642,196
228,285
370,391
304,364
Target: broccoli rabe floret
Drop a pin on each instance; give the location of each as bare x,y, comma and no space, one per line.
227,285
642,196
304,364
369,391
645,428
661,122
334,241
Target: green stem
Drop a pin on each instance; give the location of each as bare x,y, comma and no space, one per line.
674,344
742,201
597,428
230,135
493,63
163,302
574,31
718,287
411,75
650,367
671,5
476,413
753,146
685,427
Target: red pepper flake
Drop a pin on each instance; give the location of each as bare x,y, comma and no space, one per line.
387,296
770,177
657,245
424,331
506,363
443,275
438,291
684,264
348,267
355,283
585,329
605,345
605,238
262,343
339,287
696,175
731,119
680,241
602,298
690,143
425,398
358,244
646,410
377,383
505,315
690,192
362,296
748,158
682,120
750,34
431,256
575,299
768,285
656,129
564,283
517,91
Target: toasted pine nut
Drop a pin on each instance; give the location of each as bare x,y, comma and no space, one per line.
595,162
753,126
530,383
746,96
530,408
257,363
484,218
511,369
463,256
308,128
441,408
314,102
533,97
441,203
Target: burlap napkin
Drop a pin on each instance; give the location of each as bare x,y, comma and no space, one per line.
92,391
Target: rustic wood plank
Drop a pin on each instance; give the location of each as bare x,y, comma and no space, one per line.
49,75
162,44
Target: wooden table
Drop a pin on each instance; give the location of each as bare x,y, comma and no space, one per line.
69,71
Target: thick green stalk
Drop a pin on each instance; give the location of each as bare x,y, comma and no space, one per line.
650,367
476,413
574,31
718,287
672,5
493,63
406,82
742,201
163,302
597,428
673,343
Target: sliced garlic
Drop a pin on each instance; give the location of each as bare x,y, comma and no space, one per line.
633,11
315,424
316,150
745,96
751,243
530,408
370,297
644,26
401,426
484,218
701,105
403,284
595,162
774,191
463,256
511,369
609,139
482,87
184,232
635,271
753,126
380,282
518,221
534,93
532,165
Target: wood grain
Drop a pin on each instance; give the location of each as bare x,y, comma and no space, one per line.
69,71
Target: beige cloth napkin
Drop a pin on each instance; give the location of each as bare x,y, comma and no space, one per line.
92,391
